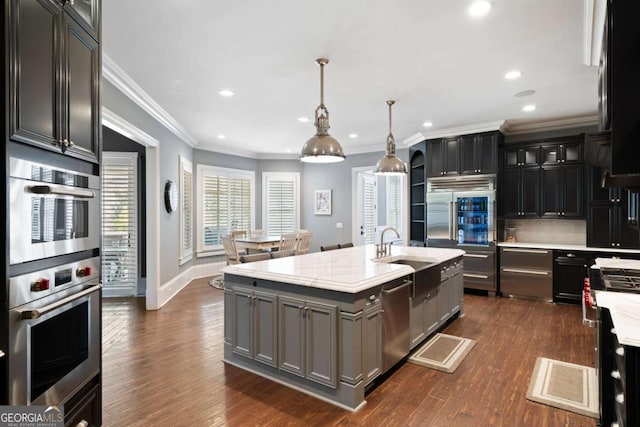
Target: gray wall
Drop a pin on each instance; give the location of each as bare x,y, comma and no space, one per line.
170,147
337,177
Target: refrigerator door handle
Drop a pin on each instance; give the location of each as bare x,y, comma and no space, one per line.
492,219
451,232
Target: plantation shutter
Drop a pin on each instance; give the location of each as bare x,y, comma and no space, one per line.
119,221
186,220
370,217
281,206
239,204
394,200
215,209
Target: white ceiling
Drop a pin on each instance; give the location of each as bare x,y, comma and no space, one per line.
437,62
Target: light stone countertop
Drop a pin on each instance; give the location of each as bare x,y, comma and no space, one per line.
561,246
625,313
349,270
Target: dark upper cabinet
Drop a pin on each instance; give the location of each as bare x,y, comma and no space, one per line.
562,191
54,80
521,192
607,226
444,157
86,13
522,156
478,153
417,188
556,154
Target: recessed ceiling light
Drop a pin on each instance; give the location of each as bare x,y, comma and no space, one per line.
427,124
226,93
479,8
221,136
524,93
303,119
512,75
353,135
529,107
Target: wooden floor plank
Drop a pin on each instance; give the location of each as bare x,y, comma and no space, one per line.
165,368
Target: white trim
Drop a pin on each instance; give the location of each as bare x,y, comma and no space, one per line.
123,127
186,254
515,128
152,158
125,84
284,176
171,288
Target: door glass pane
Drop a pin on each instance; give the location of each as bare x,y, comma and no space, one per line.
473,220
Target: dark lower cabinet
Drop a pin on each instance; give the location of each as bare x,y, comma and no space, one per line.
619,370
569,271
84,409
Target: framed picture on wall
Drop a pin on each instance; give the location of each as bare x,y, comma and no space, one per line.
323,202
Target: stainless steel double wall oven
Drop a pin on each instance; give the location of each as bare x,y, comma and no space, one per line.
54,282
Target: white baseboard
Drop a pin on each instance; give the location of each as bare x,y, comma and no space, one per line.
175,285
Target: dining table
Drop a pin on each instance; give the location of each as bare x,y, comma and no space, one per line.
257,244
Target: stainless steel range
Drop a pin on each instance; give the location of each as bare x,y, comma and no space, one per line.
619,275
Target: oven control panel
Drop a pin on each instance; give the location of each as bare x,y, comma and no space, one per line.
32,286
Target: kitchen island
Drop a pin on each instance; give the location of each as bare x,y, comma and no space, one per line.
314,322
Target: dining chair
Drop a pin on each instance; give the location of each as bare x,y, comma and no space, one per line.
255,257
304,242
282,254
239,233
288,242
230,250
329,248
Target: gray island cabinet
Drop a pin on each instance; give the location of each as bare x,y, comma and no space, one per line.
314,322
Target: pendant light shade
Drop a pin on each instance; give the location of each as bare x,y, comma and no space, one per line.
390,164
322,148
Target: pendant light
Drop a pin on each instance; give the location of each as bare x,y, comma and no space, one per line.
322,148
390,164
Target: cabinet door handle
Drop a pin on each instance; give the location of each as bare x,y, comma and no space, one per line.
570,255
527,251
517,270
83,423
475,276
476,256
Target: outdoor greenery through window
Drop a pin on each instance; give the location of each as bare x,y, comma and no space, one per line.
225,199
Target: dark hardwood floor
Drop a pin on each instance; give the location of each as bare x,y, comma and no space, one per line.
164,368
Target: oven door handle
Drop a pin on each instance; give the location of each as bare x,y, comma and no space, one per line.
38,312
48,189
586,322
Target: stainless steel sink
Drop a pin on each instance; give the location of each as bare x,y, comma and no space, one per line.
425,278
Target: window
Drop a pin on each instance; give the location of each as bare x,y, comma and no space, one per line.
280,202
225,203
370,220
186,210
394,202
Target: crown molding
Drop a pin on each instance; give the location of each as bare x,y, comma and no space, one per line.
511,128
413,139
121,80
458,130
123,127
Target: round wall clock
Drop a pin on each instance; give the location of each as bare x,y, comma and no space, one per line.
170,196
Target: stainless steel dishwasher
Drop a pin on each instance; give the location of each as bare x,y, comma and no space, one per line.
395,322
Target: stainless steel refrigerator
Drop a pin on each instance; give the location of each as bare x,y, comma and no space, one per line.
461,218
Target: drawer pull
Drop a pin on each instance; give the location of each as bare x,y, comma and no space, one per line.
620,398
615,374
83,423
620,351
527,251
476,276
476,256
516,270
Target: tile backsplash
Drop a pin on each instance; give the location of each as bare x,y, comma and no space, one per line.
553,231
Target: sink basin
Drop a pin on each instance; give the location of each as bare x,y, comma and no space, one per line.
417,265
426,276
